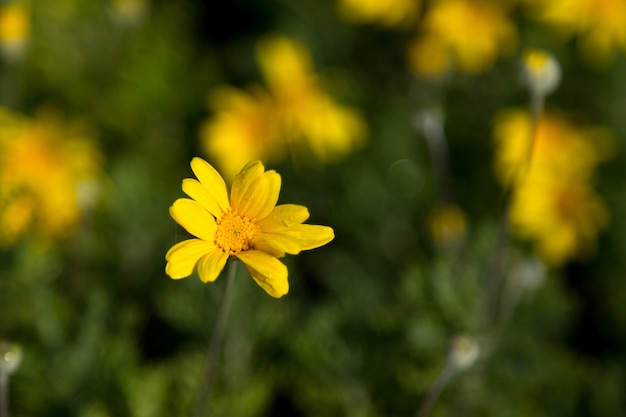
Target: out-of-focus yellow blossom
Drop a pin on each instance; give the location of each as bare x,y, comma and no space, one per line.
243,128
248,226
600,24
15,22
465,35
45,168
561,214
309,115
558,145
294,115
541,72
552,201
448,226
387,13
129,11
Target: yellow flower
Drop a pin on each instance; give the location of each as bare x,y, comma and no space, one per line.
561,214
558,145
14,28
600,24
468,35
310,117
387,13
552,202
448,226
249,226
296,115
129,11
45,168
243,128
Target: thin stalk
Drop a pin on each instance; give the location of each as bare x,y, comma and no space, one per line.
495,266
203,398
4,393
435,391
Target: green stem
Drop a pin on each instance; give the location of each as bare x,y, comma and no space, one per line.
496,265
431,397
4,393
203,398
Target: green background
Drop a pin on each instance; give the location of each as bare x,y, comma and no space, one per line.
365,328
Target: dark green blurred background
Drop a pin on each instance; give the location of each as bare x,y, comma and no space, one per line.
366,326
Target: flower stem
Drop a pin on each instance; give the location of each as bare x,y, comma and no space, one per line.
431,397
203,398
4,393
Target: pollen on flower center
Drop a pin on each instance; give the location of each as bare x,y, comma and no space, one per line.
235,233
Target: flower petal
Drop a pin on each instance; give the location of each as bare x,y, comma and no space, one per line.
211,265
215,198
183,257
267,271
283,216
194,218
254,191
271,196
310,236
276,244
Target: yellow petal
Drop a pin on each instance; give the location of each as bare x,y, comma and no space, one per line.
211,265
255,192
183,257
215,199
267,271
283,216
309,236
276,244
194,189
194,218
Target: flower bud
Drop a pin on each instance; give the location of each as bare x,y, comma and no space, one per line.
10,357
464,352
541,72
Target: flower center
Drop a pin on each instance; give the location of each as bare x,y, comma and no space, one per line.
235,233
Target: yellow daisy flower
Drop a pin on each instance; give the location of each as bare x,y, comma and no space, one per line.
600,24
387,13
562,216
309,116
292,114
249,226
50,171
243,121
468,35
558,145
15,28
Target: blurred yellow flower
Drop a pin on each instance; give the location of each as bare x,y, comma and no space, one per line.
448,226
558,145
561,214
46,170
552,201
600,24
465,35
15,21
129,11
387,13
242,129
249,226
294,115
310,117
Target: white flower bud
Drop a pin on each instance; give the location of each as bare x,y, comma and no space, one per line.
541,72
10,357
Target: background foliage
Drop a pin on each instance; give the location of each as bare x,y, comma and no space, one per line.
366,326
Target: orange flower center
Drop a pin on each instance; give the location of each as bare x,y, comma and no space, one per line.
235,233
